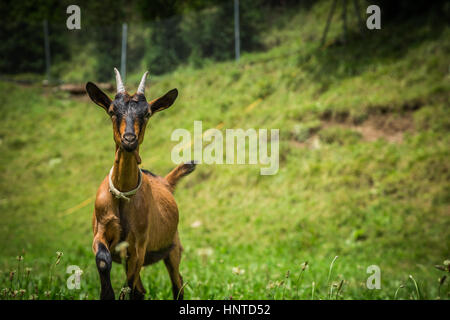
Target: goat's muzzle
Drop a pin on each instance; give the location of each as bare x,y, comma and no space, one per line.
129,142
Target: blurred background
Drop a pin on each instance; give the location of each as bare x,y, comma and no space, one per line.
161,34
364,136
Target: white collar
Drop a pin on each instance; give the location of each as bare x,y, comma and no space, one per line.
123,195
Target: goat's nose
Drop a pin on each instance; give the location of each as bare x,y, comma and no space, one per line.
129,137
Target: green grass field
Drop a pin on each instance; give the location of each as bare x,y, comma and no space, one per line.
364,172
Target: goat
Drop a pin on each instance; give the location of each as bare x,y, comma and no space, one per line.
144,212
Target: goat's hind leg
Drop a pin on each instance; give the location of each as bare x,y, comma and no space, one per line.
104,263
172,262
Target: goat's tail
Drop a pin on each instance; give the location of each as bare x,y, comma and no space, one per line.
178,172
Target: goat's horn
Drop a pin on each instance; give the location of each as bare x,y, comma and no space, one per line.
120,86
141,88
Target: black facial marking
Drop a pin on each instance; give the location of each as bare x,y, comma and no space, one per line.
131,108
123,104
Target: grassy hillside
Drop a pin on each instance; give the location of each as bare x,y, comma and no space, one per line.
364,171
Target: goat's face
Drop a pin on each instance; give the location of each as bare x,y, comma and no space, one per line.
130,114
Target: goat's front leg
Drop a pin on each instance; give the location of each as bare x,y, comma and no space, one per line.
104,263
134,266
105,235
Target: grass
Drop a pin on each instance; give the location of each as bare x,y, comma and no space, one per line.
248,236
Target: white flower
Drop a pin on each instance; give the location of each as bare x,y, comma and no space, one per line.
122,249
237,270
196,224
205,252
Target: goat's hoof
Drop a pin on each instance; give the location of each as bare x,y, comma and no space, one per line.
108,296
137,295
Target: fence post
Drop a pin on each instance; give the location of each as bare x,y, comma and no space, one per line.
123,59
237,44
358,14
330,16
47,50
344,20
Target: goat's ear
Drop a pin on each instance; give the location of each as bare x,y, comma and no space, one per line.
98,96
163,102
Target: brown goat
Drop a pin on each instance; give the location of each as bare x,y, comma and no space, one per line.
144,213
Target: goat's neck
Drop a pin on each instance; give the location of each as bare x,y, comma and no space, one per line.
125,173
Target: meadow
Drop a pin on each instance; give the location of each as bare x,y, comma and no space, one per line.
363,178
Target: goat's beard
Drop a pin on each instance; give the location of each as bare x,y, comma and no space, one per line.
135,153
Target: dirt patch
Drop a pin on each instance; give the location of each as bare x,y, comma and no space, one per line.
390,127
312,143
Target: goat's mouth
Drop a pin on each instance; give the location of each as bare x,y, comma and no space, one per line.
129,146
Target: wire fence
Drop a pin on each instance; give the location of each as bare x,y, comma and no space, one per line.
217,33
